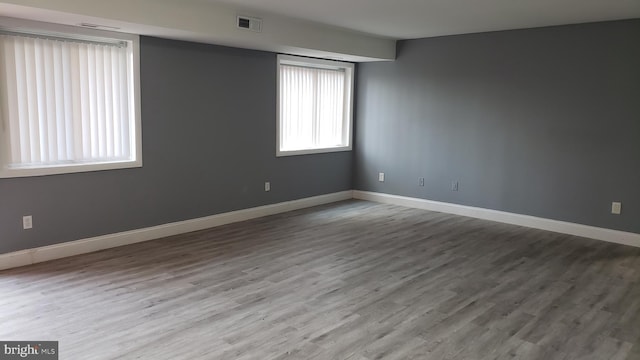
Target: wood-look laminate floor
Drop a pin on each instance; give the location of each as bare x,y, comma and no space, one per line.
352,280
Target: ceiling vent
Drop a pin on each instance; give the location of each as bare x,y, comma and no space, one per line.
250,23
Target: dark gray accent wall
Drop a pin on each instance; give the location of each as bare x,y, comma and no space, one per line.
208,123
543,122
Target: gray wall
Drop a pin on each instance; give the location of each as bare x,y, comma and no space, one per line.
544,122
208,119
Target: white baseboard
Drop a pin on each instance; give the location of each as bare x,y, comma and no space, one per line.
57,251
614,236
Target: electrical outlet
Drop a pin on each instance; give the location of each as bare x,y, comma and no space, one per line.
267,186
616,208
421,181
381,177
27,222
454,186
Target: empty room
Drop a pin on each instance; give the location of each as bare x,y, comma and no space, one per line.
355,179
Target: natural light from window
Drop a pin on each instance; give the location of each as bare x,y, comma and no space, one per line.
69,103
315,105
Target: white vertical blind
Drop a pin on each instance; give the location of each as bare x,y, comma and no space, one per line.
67,101
312,112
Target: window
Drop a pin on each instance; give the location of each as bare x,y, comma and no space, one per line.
314,105
69,102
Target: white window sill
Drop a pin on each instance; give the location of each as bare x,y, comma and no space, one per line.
67,168
312,151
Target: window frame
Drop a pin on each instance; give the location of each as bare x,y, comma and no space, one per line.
349,69
82,34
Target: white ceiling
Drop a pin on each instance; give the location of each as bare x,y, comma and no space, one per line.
408,19
352,30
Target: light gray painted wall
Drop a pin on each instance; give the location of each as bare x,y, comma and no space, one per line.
208,118
543,122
